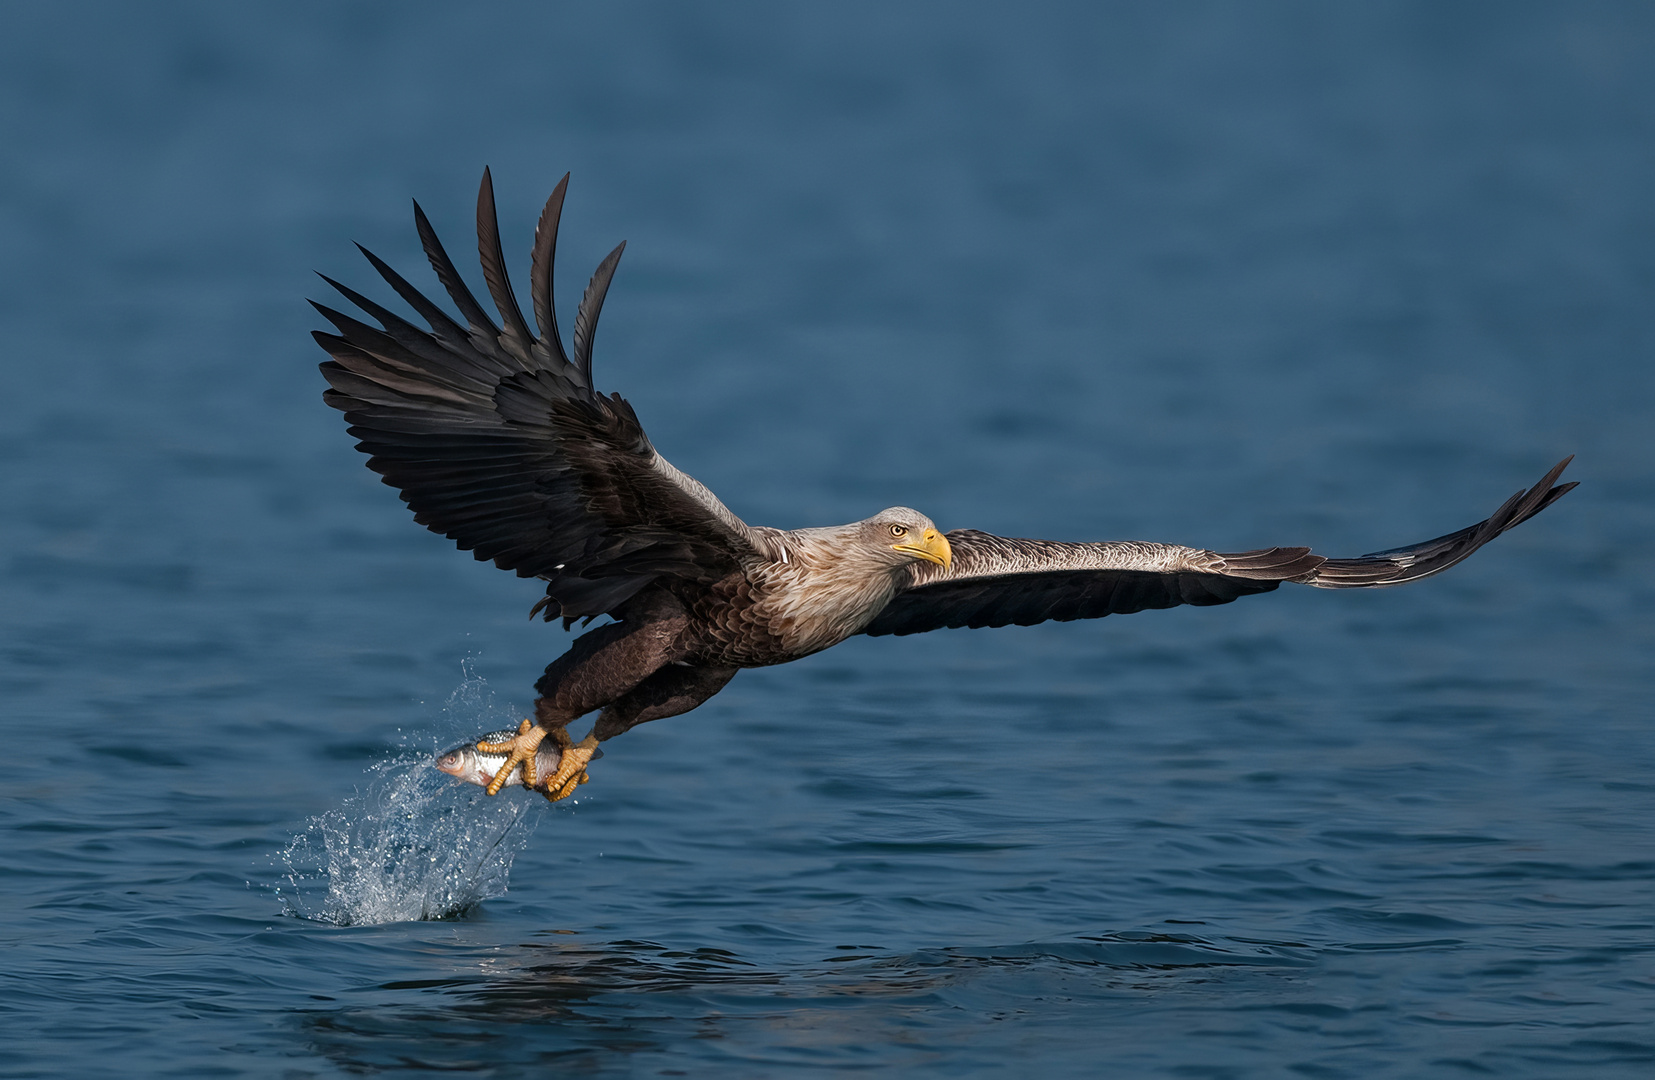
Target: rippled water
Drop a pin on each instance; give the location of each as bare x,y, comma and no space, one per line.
1229,276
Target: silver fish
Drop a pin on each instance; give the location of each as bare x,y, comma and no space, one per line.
466,762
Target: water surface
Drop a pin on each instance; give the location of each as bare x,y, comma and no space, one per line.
1228,277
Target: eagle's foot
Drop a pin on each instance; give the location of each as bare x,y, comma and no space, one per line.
571,770
520,750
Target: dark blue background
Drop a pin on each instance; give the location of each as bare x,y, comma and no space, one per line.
1227,275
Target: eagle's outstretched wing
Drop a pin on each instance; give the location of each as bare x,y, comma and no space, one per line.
497,440
996,581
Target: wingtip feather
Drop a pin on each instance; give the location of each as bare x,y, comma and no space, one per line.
491,254
540,271
481,325
591,306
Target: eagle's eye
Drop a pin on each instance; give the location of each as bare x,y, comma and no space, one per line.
898,530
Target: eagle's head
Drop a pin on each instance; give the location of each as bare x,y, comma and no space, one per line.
908,535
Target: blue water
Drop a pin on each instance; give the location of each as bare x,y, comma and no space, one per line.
1228,275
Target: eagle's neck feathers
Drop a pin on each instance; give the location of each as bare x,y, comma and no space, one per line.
822,586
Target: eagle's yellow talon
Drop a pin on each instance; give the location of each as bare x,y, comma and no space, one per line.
571,770
519,751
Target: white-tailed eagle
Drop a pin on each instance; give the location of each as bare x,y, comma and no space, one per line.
497,438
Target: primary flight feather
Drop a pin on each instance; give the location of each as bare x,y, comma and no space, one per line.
497,438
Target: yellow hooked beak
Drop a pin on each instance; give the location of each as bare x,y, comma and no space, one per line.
932,547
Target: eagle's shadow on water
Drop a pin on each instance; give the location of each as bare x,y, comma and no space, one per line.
597,1006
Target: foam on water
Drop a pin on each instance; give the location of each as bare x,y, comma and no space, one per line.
413,843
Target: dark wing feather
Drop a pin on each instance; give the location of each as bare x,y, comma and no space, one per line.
517,336
591,305
498,442
540,276
998,581
483,334
1398,566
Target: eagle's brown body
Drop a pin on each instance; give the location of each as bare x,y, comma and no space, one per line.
497,438
672,647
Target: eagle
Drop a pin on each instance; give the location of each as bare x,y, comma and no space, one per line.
497,437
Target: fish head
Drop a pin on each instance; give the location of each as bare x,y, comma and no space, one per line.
460,762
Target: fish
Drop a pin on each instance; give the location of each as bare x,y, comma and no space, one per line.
466,762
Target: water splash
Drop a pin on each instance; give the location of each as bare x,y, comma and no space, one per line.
413,844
